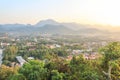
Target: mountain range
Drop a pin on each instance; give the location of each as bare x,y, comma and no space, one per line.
53,27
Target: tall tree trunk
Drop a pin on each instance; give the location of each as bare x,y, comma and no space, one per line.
108,74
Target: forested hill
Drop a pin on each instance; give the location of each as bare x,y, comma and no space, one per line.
51,27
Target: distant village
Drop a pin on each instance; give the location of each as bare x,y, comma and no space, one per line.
89,50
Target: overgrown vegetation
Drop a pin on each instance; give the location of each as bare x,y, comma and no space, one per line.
57,68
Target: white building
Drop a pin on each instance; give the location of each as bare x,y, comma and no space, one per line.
57,46
20,60
30,58
77,51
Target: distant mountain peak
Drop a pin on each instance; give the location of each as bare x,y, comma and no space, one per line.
46,22
49,20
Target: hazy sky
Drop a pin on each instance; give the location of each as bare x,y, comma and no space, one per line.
81,11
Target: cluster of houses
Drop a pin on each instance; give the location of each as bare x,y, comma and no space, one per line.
87,54
75,52
31,48
91,56
4,44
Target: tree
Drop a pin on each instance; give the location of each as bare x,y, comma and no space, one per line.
6,72
17,77
34,70
57,76
10,53
81,69
111,54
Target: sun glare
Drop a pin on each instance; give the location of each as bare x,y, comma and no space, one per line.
102,11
